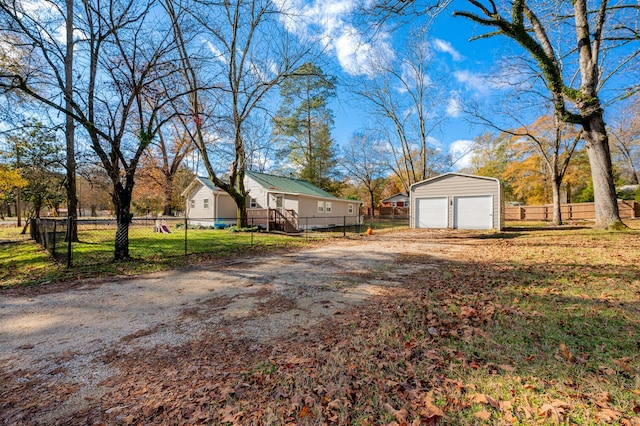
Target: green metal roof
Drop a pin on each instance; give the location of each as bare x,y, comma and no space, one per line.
206,182
284,184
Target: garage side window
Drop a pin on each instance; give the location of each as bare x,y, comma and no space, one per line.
320,206
192,204
350,208
327,207
205,203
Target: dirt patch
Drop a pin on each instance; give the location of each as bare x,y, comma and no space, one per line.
66,344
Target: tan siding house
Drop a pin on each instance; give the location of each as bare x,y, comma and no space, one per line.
273,202
459,201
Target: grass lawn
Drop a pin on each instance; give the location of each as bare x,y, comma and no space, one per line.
23,262
530,327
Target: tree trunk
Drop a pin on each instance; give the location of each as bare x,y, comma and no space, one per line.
604,192
167,210
122,202
557,212
19,206
72,200
373,212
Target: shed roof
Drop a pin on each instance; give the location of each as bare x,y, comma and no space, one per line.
448,175
398,196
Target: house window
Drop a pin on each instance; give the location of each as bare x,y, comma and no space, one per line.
253,203
205,203
393,204
192,204
320,206
279,201
350,208
327,207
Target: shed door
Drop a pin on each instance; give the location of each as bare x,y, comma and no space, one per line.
473,212
432,212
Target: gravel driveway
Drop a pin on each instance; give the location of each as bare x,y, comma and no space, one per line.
62,337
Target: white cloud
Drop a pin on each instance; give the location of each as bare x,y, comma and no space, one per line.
473,81
217,53
446,47
454,105
326,22
462,152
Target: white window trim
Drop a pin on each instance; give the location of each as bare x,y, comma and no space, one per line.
205,203
253,203
320,206
192,203
350,208
328,207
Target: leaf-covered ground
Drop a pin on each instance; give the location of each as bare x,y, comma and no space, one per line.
520,327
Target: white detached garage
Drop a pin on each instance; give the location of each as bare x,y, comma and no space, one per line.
458,201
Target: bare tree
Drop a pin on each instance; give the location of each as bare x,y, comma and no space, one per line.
365,163
251,53
119,93
581,106
166,154
31,36
404,97
625,142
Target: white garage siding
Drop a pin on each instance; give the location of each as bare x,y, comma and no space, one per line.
473,202
432,212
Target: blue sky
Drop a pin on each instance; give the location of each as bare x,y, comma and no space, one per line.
348,51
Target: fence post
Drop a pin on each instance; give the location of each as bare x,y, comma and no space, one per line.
344,226
251,232
55,230
69,238
186,220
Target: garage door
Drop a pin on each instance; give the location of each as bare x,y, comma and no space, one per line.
473,212
432,212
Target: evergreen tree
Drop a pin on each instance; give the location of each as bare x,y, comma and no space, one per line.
303,124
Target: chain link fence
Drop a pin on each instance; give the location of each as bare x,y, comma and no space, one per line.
157,239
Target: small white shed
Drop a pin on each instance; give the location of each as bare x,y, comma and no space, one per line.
459,201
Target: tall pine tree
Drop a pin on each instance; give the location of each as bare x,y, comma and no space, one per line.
303,125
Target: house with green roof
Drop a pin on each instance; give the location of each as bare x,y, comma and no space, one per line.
273,203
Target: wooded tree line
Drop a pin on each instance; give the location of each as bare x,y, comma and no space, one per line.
141,87
538,164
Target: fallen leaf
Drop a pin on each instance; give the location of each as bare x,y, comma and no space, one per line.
304,412
526,411
506,367
431,410
566,353
608,415
607,371
482,414
506,406
624,364
478,398
555,410
400,415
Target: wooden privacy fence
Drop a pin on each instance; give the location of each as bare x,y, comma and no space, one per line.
629,209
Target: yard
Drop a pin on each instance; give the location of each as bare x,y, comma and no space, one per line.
527,326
